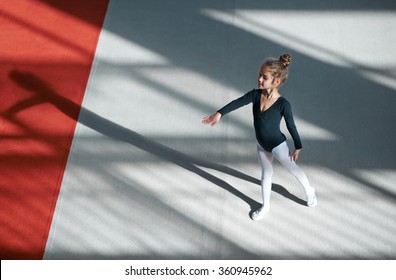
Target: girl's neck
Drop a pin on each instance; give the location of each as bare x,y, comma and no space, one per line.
271,93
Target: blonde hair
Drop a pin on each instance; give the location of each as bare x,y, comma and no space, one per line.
278,67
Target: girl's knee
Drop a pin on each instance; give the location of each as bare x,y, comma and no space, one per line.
267,174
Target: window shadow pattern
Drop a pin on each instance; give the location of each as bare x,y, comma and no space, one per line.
337,115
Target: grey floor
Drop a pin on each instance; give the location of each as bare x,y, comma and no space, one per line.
146,180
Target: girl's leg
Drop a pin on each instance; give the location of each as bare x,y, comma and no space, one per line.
265,160
281,152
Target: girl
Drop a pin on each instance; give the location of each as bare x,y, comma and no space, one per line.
268,109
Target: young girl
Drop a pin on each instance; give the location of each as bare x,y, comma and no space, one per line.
268,109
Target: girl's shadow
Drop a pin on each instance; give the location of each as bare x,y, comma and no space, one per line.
42,92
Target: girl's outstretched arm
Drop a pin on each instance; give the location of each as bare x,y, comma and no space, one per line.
233,105
212,119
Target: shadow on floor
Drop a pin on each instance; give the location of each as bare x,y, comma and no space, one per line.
44,93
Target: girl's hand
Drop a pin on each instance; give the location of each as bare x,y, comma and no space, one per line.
212,119
294,155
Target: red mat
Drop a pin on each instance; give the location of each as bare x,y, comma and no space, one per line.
46,47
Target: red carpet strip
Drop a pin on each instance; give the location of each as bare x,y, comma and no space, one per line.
45,47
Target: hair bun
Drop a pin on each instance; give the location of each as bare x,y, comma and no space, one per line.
285,60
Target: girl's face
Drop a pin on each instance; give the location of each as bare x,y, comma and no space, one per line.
265,79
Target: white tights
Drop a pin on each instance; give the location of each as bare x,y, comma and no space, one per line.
281,153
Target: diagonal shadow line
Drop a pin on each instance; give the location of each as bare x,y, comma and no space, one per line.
305,43
106,127
41,32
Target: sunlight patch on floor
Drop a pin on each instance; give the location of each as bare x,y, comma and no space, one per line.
354,39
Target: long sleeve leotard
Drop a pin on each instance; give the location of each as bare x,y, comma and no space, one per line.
267,123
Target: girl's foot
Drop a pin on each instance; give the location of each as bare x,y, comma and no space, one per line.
312,201
311,198
259,213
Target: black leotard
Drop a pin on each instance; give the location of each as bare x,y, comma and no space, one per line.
267,123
